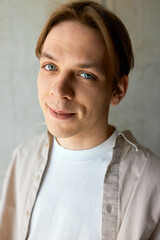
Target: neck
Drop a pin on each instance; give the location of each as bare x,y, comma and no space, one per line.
86,140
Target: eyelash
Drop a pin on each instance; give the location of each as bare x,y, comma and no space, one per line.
44,66
92,77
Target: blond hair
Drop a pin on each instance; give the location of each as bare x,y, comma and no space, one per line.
112,30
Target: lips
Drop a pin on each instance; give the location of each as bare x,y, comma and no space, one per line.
59,114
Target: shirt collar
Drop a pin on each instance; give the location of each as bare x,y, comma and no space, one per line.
127,135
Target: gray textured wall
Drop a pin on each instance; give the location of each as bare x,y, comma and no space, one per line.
20,25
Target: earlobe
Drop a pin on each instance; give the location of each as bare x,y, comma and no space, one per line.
119,91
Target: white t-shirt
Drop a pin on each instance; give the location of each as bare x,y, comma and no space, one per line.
69,203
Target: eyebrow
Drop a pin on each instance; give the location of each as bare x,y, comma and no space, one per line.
47,55
92,64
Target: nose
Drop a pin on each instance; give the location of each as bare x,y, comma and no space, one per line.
62,87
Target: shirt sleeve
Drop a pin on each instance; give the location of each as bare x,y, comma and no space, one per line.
8,202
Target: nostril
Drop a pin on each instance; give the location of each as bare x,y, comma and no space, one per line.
62,91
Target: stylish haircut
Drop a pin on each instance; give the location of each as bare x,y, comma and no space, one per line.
112,30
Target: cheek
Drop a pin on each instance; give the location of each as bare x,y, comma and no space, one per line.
41,93
101,103
43,87
94,104
91,94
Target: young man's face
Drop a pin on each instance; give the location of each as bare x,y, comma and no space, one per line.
73,85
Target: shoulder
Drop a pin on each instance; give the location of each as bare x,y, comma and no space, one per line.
27,155
137,149
34,143
138,158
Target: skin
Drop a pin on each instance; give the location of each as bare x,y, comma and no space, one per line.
74,88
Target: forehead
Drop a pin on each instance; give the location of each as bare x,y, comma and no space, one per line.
75,38
75,29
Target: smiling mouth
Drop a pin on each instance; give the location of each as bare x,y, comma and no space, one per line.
60,114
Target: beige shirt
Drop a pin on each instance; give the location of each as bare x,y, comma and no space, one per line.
131,196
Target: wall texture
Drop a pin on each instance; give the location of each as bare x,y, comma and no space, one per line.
20,25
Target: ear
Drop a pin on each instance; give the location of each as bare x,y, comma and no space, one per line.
119,91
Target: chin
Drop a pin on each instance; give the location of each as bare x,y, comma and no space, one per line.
60,131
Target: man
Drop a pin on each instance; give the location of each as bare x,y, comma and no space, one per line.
82,179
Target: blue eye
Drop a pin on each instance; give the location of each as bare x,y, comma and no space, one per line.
50,67
86,75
